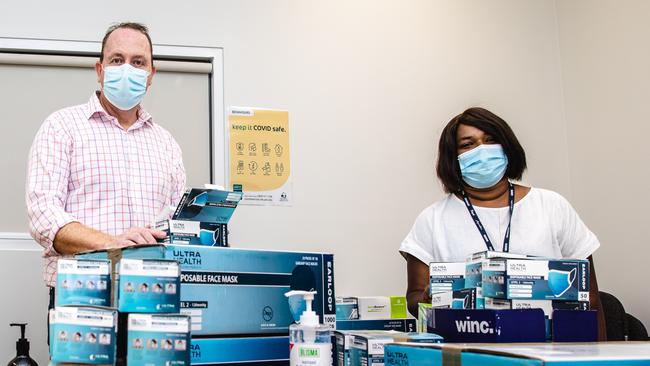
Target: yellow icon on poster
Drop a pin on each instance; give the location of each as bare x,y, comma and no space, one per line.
260,162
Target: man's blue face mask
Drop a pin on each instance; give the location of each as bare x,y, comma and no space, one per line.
483,166
124,85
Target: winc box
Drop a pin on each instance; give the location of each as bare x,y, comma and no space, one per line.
148,286
230,291
447,276
83,335
83,282
564,279
157,339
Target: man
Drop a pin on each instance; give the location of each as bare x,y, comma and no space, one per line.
101,172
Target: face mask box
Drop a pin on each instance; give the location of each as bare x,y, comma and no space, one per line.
156,339
459,299
347,308
226,351
341,344
368,347
83,282
211,234
563,279
381,307
446,276
487,326
83,335
148,286
230,291
399,325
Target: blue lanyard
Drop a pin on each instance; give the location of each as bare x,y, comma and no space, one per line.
479,225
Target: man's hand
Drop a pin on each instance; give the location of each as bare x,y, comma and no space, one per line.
137,236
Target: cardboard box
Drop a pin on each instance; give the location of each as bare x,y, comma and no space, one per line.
341,344
83,335
544,354
488,326
459,299
447,276
563,279
254,351
368,347
400,325
421,326
148,286
230,291
157,339
347,308
381,307
82,282
212,234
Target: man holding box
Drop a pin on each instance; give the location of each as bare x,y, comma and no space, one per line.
101,172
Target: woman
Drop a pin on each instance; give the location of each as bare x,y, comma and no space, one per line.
478,156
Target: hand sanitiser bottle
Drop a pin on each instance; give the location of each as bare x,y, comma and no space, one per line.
311,343
22,349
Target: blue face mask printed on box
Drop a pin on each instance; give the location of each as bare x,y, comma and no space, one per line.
483,166
125,85
560,281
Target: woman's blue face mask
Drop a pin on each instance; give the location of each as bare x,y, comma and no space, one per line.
483,166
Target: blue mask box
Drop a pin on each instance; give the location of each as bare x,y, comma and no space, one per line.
207,205
212,234
347,308
564,279
148,286
83,335
487,326
342,342
249,351
158,339
447,276
230,291
459,299
545,354
367,348
83,282
400,325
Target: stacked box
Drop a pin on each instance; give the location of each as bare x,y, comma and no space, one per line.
399,325
381,307
447,276
83,282
460,299
347,308
231,291
563,279
201,218
148,286
367,348
83,335
158,339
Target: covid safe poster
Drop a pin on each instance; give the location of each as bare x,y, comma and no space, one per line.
260,160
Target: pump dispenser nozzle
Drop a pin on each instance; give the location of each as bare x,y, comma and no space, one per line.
22,348
296,298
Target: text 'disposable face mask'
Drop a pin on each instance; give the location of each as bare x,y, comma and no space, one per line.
124,85
560,281
483,166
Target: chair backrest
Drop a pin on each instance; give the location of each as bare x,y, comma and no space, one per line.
620,326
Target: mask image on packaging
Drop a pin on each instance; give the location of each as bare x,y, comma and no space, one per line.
347,308
194,232
83,282
148,286
156,339
560,281
82,335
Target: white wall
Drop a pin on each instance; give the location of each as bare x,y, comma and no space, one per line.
369,86
605,63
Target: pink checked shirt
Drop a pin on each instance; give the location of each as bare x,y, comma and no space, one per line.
83,166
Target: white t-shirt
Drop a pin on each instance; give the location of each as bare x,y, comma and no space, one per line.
543,224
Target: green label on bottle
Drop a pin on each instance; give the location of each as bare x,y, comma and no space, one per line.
309,352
